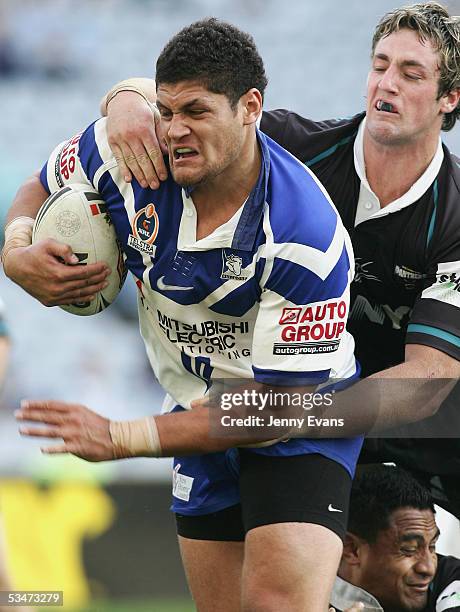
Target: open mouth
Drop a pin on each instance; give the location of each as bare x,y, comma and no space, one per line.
419,588
184,152
385,107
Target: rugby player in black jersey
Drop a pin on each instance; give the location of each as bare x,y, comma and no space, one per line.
396,187
389,560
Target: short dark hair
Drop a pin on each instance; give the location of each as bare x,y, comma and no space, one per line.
218,55
431,21
377,492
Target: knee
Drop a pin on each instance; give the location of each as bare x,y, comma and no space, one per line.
265,598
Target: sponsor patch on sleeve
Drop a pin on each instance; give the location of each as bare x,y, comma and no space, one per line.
66,160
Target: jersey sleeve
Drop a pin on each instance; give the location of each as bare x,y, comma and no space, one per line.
300,335
435,319
81,159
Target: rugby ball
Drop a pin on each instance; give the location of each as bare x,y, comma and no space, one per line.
77,216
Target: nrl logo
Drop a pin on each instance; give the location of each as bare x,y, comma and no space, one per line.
145,230
232,267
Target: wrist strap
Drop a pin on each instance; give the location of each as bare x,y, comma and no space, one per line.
124,87
135,438
18,233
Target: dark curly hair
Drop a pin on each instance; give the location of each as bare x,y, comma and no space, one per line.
218,55
376,493
432,22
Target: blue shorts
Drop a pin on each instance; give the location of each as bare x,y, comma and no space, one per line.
203,484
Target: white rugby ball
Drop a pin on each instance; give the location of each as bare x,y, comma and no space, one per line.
77,216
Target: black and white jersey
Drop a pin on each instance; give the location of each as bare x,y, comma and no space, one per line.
407,277
443,594
445,588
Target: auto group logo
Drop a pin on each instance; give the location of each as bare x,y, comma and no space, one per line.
312,329
145,227
290,315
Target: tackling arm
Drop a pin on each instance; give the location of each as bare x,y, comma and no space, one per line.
131,131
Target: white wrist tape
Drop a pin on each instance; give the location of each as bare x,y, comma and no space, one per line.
135,438
18,233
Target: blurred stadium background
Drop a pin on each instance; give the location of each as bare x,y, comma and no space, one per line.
103,533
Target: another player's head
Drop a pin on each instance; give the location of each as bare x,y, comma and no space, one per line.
210,86
389,549
413,85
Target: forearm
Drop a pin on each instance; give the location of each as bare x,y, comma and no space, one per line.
403,394
189,432
19,221
29,198
397,396
139,85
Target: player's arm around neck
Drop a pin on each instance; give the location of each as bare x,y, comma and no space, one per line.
131,131
45,269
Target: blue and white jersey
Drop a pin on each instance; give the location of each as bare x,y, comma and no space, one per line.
264,296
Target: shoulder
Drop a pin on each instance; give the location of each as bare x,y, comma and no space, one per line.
453,173
94,141
284,118
446,209
305,138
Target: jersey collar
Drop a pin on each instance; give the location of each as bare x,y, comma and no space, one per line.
420,187
245,233
344,594
240,231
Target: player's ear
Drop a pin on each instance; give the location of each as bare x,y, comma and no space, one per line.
450,100
252,105
351,549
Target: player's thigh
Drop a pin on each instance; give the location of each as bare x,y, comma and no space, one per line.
296,561
212,550
213,571
295,513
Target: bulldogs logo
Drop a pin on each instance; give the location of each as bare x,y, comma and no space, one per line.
232,267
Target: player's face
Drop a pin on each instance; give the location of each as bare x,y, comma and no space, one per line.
399,566
203,133
402,90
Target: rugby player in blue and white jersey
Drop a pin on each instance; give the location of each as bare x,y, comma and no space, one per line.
243,268
397,188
